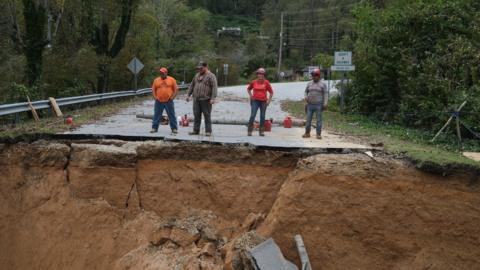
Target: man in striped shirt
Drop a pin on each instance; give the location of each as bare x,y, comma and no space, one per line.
204,91
316,96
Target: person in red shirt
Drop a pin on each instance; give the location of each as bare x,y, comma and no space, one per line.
164,90
259,99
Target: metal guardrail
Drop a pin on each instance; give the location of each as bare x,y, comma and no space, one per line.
13,108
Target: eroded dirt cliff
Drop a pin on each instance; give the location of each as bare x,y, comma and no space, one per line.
160,205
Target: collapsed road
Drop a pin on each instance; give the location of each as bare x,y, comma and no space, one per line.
231,110
109,204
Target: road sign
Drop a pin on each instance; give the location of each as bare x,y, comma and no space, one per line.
343,58
135,66
343,68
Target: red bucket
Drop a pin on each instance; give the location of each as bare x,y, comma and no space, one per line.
268,125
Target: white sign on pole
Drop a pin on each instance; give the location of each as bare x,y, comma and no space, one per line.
135,66
343,68
225,69
343,58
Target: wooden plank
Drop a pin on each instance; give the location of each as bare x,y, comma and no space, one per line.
55,107
34,112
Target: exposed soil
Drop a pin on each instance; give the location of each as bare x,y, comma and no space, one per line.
160,205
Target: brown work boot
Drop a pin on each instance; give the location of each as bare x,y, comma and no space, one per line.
306,135
319,136
250,130
261,132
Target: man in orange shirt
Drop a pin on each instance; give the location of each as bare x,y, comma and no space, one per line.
164,90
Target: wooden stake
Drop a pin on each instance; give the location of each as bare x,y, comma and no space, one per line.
450,120
34,112
458,129
55,107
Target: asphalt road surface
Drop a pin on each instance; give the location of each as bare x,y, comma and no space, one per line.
232,105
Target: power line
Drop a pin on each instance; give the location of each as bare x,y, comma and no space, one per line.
331,18
309,26
309,39
311,11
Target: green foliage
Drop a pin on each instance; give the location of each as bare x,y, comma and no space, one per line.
310,28
417,61
230,7
324,60
19,92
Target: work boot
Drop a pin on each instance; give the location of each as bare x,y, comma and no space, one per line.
208,134
154,130
262,132
193,133
306,135
174,131
250,130
319,136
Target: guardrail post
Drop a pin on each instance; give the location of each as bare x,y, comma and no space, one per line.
17,118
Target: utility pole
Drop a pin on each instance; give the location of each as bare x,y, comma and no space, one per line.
281,46
312,42
333,40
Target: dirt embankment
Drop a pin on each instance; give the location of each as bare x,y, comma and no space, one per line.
158,205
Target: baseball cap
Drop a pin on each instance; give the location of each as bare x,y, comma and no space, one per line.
164,70
202,64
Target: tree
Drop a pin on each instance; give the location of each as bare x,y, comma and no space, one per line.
32,38
98,21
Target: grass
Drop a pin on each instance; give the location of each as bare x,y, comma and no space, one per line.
404,142
51,125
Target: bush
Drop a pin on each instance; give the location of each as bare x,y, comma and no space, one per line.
19,93
417,61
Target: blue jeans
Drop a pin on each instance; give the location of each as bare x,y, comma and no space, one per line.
314,109
258,104
158,111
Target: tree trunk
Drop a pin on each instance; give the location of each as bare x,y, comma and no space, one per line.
100,40
35,17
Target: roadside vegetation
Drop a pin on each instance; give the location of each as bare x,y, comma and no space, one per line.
411,143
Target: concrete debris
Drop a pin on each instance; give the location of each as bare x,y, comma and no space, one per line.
184,237
268,256
236,252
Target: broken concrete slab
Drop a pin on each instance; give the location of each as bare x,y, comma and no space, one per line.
268,256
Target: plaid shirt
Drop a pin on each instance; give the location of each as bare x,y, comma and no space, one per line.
204,86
